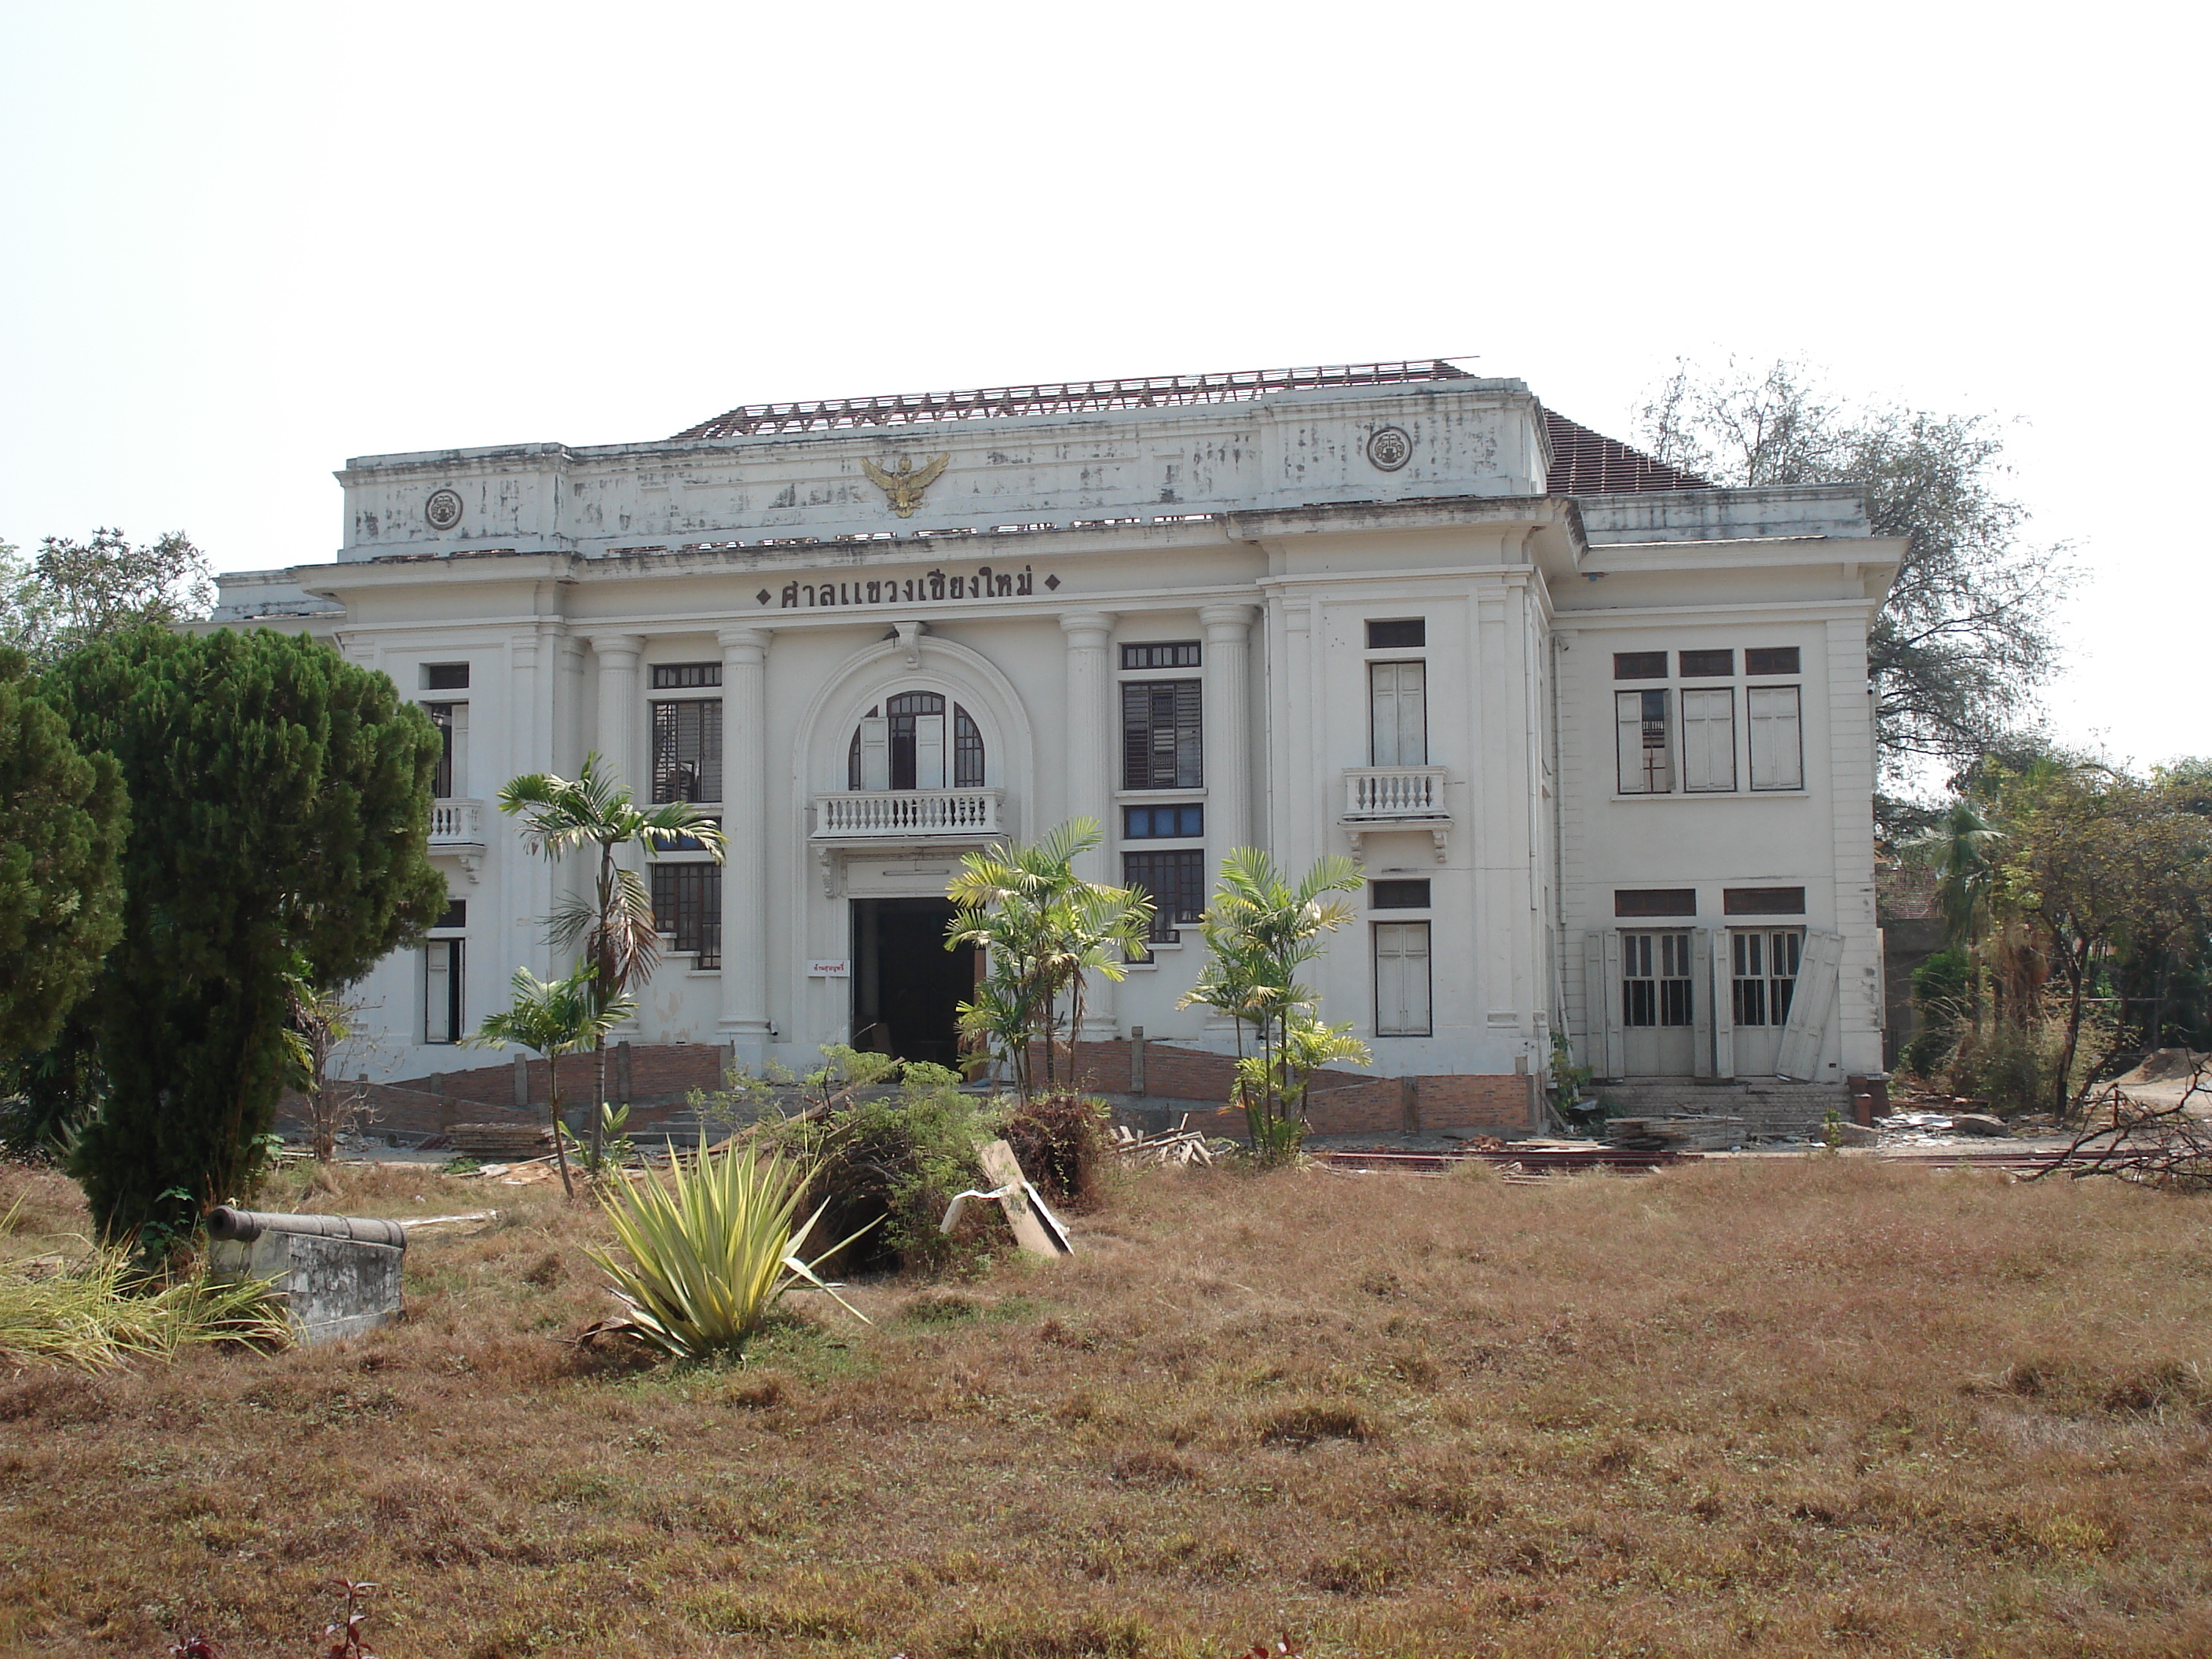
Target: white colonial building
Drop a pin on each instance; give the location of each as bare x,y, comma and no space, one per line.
1599,732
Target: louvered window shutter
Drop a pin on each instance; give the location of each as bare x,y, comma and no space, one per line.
875,753
1777,751
1709,740
1628,729
929,751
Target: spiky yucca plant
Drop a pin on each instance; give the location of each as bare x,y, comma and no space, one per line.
712,1249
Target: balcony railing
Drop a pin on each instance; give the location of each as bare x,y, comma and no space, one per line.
1384,792
456,823
889,814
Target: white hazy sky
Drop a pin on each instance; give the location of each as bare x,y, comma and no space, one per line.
244,242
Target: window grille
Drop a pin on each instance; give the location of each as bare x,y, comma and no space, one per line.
1161,741
1655,902
1708,664
1771,659
1176,881
1639,665
445,676
687,749
687,902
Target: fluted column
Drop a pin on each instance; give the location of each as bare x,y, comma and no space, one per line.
1228,727
744,826
1090,773
617,655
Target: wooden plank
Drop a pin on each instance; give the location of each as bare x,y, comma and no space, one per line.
1035,1228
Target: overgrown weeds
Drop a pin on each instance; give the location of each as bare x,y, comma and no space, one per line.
97,1311
1794,1404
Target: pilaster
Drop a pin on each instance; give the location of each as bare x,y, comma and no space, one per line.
745,1024
1090,762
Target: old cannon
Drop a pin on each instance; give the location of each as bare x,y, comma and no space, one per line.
338,1275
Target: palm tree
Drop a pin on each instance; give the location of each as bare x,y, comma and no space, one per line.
555,1017
614,925
1044,931
1259,931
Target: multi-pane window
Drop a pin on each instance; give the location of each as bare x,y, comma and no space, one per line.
1778,743
1708,664
1646,754
1398,706
685,676
1708,736
452,719
687,902
1402,979
1765,972
1183,822
903,746
1655,979
445,676
1163,654
1161,726
687,749
441,991
1176,881
1771,659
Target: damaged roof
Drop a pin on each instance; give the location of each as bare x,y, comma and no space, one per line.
1584,463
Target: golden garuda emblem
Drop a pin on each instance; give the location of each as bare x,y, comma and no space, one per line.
904,486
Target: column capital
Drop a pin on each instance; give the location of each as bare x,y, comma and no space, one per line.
743,644
1226,621
609,647
1091,629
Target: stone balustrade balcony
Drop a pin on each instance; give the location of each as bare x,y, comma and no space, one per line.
456,823
1379,798
905,815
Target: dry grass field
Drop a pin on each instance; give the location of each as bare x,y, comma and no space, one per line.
1778,1407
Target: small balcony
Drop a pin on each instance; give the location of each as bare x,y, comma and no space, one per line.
455,824
1378,798
905,815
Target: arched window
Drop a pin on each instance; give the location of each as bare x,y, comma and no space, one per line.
902,745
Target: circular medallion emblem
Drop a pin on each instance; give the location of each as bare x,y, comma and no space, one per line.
1389,449
443,509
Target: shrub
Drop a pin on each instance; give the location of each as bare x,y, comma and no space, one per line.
885,1168
712,1248
1060,1139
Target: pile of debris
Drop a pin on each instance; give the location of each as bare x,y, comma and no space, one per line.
1934,1128
1675,1135
1177,1149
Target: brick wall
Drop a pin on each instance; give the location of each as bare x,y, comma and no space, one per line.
1337,1102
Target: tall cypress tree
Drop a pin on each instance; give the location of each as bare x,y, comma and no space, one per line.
62,819
282,815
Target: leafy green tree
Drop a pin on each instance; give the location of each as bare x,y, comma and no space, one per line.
1966,636
1044,931
63,818
71,593
554,1017
284,816
1260,930
614,924
2097,862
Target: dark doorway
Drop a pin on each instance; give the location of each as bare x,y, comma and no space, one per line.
906,987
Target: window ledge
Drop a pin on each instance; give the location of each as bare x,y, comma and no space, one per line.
1160,797
1719,794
